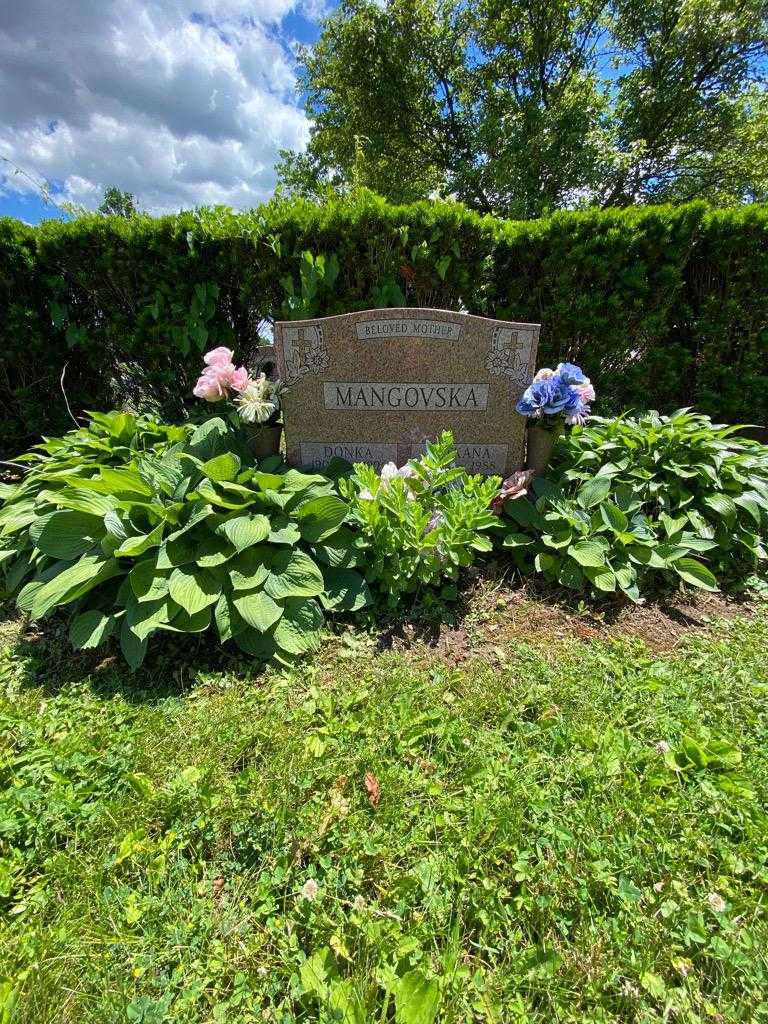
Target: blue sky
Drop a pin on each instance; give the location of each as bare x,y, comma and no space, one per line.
181,102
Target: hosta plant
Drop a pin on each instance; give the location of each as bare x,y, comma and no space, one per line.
182,541
667,498
422,523
598,538
693,479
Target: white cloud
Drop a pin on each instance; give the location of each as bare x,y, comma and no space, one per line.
181,102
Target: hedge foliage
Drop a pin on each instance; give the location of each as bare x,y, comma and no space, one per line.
664,306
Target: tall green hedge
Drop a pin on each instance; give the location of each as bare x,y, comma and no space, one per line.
663,306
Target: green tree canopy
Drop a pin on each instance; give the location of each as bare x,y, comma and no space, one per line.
117,203
520,107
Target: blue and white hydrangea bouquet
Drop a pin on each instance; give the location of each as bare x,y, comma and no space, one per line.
565,392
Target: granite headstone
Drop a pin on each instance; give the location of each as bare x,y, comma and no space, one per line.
374,386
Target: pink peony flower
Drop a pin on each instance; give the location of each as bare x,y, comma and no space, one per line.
239,379
218,356
209,387
220,375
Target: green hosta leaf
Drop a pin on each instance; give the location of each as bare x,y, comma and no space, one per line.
259,645
693,572
321,517
181,622
17,571
119,482
523,512
193,588
257,609
223,467
626,577
68,534
113,521
646,556
213,551
134,546
244,531
27,595
297,481
344,550
588,553
548,563
228,620
200,514
516,540
73,582
209,439
613,517
750,505
672,525
90,629
701,525
690,540
250,569
345,590
144,618
671,552
594,492
82,500
723,506
298,631
559,539
571,575
293,574
180,551
134,650
603,578
227,495
284,531
147,581
267,481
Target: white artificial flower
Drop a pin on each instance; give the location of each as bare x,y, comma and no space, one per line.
257,402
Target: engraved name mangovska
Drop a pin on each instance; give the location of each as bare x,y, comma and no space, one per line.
396,397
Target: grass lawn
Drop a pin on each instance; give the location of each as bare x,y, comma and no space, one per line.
539,817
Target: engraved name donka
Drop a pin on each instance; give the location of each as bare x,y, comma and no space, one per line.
317,454
408,327
399,397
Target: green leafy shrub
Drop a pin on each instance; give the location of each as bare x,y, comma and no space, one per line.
675,496
423,523
666,305
180,536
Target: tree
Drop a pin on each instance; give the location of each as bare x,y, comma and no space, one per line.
520,107
117,203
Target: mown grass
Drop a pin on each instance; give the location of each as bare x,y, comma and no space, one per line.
534,849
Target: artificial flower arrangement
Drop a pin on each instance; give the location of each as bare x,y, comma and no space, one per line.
564,392
256,399
554,398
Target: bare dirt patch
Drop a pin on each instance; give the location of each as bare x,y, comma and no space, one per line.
494,615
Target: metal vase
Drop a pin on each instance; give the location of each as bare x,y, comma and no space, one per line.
265,441
540,443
